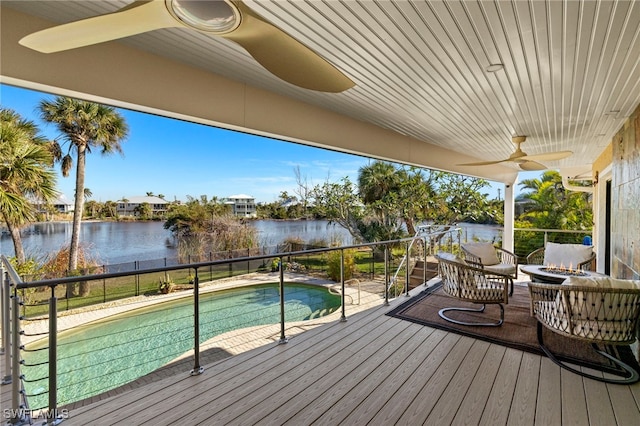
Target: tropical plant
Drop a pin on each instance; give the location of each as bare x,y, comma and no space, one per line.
340,203
389,196
550,206
110,209
166,285
203,226
143,210
26,174
83,127
57,263
335,259
92,208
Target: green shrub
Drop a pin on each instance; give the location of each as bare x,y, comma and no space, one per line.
333,264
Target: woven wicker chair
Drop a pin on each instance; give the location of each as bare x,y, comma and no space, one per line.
472,284
491,258
536,257
583,309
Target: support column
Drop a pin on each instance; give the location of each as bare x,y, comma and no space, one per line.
509,216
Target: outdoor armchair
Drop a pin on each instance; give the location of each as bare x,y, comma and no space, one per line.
598,310
576,256
472,284
491,258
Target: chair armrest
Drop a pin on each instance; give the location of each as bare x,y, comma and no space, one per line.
506,256
541,292
589,264
536,257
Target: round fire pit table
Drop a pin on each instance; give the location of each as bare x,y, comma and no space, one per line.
544,274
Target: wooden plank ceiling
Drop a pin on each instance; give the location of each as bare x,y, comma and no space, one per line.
570,75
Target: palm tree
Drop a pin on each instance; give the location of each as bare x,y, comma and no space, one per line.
26,174
83,126
552,207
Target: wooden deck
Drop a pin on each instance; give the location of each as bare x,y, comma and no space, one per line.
373,369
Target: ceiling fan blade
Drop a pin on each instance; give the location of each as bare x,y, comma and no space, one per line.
530,166
284,56
139,17
549,156
482,163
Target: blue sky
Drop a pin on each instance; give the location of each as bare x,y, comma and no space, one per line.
177,158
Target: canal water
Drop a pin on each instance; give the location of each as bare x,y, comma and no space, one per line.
119,242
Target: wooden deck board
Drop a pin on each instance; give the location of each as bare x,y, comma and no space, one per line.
362,378
621,398
393,402
496,411
470,411
548,407
299,387
377,370
437,384
574,406
449,402
523,407
372,395
599,408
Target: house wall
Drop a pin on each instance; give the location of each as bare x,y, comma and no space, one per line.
625,197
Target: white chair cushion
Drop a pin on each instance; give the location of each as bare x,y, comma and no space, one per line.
502,268
602,282
485,251
567,255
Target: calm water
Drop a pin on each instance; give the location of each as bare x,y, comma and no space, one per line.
118,242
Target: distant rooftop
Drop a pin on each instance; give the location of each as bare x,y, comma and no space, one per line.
240,196
144,199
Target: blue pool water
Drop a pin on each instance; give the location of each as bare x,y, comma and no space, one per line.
103,355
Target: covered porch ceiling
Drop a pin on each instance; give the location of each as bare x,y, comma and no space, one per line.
422,94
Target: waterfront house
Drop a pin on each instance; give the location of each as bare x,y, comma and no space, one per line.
131,206
61,204
436,84
242,205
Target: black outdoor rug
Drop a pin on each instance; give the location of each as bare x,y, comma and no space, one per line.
518,330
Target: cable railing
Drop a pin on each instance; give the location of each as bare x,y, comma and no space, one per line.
427,241
195,324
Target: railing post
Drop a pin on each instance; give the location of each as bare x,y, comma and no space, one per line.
197,369
424,269
19,411
137,262
373,262
2,309
53,359
343,317
546,235
283,338
6,326
386,275
406,271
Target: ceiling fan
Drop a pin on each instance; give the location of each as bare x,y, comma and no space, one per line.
526,162
274,49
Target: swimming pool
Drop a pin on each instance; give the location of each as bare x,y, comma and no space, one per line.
100,356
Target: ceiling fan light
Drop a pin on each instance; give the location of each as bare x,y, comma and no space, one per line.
210,16
494,67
